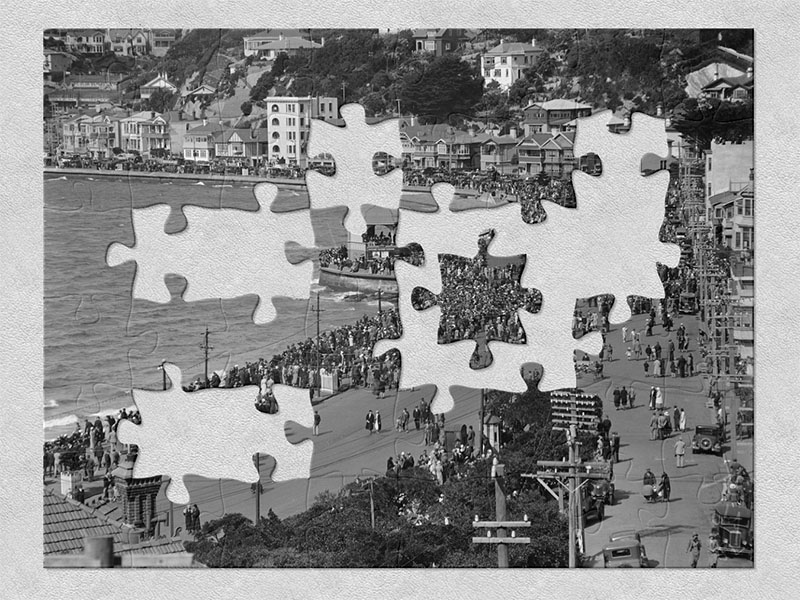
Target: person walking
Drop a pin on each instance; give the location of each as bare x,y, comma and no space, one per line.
666,488
676,419
416,415
616,398
659,399
377,421
680,452
662,422
370,422
713,551
654,427
624,334
631,397
657,350
615,447
623,398
694,548
652,404
682,420
671,348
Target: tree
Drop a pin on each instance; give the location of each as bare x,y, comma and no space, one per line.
247,108
447,85
262,87
279,64
160,101
706,120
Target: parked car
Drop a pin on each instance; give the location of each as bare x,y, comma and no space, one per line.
732,525
625,549
707,438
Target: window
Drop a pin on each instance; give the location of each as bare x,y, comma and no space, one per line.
709,189
709,163
275,122
447,45
502,60
738,207
275,108
302,121
330,107
748,207
497,72
275,135
302,109
738,239
276,149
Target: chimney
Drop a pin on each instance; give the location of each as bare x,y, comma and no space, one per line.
138,496
533,42
513,132
659,110
280,36
180,115
205,122
626,121
750,72
471,131
752,175
152,114
716,70
669,148
322,41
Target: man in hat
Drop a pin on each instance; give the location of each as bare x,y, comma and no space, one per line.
694,548
713,551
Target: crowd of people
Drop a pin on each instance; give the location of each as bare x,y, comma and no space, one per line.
477,298
91,450
528,191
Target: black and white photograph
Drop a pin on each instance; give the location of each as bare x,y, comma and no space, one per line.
195,418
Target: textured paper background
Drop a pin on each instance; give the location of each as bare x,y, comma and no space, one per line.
777,327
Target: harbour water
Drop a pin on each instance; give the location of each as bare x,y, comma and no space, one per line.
100,343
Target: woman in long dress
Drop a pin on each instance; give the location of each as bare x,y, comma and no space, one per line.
682,420
659,399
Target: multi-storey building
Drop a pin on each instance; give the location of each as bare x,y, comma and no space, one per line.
128,42
506,62
553,116
499,152
547,153
161,40
735,89
255,44
86,41
199,142
439,41
288,124
160,82
727,169
144,132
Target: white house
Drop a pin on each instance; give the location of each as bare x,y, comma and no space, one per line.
506,62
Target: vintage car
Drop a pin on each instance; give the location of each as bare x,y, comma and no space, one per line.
732,524
707,438
688,304
625,549
603,488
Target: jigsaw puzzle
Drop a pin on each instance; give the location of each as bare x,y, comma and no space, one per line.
310,306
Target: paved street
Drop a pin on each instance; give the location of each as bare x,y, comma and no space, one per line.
666,528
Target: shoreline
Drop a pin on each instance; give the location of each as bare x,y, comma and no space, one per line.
253,179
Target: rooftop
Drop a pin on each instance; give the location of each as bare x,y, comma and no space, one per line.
513,48
559,104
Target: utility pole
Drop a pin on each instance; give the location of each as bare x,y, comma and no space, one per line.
398,106
379,302
163,375
482,417
500,525
371,503
572,412
344,92
206,348
318,377
257,459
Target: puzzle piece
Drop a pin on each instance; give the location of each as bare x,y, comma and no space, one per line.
262,255
479,300
174,440
354,174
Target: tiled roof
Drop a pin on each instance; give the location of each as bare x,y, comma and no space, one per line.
513,48
559,104
290,43
68,522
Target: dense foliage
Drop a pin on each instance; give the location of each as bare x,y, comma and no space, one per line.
410,513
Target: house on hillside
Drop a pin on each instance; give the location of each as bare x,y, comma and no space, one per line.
724,63
86,41
254,44
290,46
128,42
161,40
552,116
734,89
56,64
506,62
439,41
160,82
199,143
